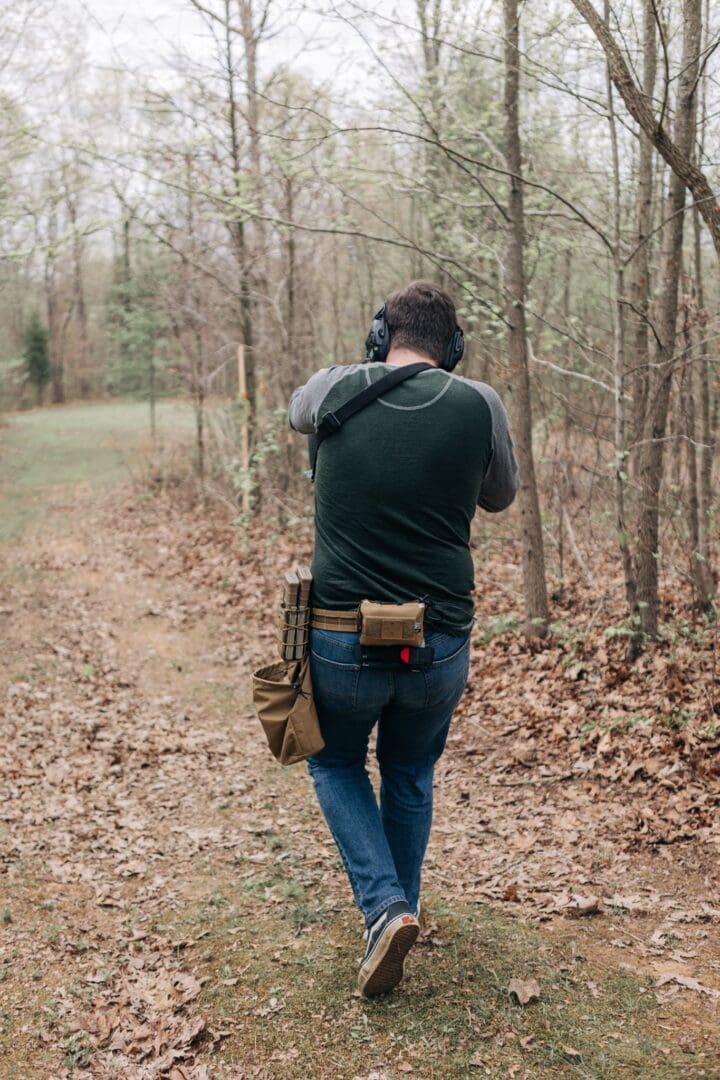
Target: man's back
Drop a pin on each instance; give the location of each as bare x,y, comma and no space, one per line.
397,487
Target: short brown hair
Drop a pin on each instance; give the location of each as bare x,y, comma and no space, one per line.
421,316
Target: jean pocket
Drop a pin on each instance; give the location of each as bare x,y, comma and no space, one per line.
334,670
448,675
447,646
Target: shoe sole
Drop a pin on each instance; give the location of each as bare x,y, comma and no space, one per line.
388,959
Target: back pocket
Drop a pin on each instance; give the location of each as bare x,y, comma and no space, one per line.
448,675
335,672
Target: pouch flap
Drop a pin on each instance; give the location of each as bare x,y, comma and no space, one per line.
391,624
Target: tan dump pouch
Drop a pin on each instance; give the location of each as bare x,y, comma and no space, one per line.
391,624
284,702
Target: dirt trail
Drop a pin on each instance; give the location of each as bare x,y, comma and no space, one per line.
126,743
139,811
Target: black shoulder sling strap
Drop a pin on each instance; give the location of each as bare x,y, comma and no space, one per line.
333,421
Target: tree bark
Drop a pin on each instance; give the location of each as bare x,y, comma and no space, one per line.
252,31
651,462
290,291
237,225
429,15
618,289
640,266
707,448
51,300
707,439
533,560
699,569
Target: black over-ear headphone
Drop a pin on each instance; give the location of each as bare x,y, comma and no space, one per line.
377,343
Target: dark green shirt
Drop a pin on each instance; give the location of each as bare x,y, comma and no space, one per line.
397,487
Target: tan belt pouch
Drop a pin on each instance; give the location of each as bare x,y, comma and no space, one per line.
391,624
283,698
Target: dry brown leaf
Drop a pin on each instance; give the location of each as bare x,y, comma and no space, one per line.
584,905
688,982
525,990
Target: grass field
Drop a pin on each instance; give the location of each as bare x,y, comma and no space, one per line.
47,453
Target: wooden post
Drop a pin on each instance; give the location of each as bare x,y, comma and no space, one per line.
244,440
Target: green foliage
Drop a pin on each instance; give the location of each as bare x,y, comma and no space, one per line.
618,631
505,623
36,354
135,328
677,718
77,1050
226,462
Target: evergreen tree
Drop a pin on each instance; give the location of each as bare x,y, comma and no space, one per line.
36,355
135,329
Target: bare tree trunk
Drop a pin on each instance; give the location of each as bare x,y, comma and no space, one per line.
568,419
200,424
290,289
152,395
707,437
533,559
252,31
651,463
237,225
699,569
81,309
188,324
251,34
429,14
707,447
51,300
640,280
618,289
71,184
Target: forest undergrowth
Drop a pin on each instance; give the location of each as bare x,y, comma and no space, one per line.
172,904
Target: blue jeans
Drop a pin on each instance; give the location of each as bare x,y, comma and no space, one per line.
382,847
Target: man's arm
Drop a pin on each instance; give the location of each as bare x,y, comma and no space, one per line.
500,484
307,400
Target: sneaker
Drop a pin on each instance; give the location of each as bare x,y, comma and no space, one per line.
420,918
389,940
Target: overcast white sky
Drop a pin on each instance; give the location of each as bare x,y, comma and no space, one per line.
143,32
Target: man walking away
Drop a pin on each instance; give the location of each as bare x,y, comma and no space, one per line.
396,489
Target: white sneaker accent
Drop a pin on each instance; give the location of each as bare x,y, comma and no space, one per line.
389,940
366,931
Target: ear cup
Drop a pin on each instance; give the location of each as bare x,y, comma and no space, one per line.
455,350
377,343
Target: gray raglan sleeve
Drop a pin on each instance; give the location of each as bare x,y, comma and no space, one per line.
306,401
500,484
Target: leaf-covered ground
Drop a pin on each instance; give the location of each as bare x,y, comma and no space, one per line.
170,902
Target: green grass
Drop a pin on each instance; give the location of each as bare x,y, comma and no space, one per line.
294,1004
46,454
